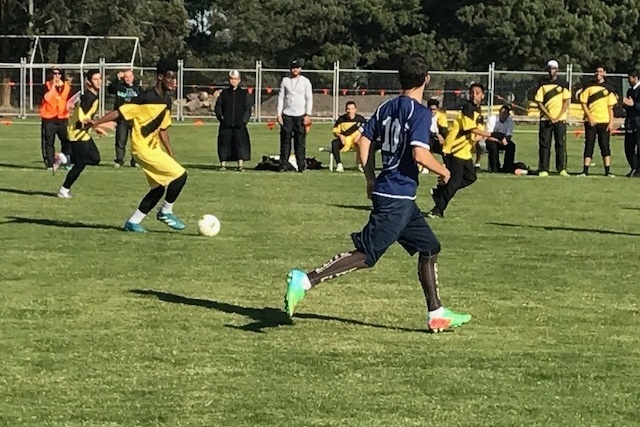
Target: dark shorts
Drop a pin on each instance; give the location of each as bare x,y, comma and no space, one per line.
85,152
395,220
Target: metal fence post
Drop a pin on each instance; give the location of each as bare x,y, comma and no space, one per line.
258,90
102,69
180,91
491,88
336,88
23,88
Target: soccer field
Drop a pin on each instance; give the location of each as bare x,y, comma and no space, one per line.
106,328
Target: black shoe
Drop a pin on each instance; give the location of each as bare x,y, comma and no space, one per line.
434,213
133,163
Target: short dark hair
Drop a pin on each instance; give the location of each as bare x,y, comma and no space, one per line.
412,71
350,103
505,107
600,66
478,85
633,73
92,72
165,64
433,101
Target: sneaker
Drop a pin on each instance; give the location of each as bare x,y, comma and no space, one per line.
631,173
360,168
583,174
339,167
448,320
64,194
543,174
434,214
295,290
564,173
117,165
133,163
68,167
610,175
135,228
171,220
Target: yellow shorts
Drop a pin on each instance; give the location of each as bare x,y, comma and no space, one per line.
159,167
349,144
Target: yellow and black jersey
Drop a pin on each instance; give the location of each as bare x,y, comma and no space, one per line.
148,113
348,127
86,109
599,99
552,94
439,123
460,140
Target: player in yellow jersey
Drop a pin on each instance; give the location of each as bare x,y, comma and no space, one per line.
458,148
598,100
83,149
150,116
553,98
346,132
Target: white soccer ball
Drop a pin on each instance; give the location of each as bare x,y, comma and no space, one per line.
208,225
61,158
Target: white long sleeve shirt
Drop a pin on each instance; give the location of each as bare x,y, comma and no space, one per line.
295,97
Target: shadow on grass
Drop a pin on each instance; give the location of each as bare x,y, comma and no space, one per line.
561,228
262,318
28,192
69,224
14,166
354,207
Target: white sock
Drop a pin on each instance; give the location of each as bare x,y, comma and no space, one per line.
437,313
64,190
137,217
306,284
167,207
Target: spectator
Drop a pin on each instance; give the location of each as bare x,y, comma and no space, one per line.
439,126
346,132
553,98
295,104
233,111
125,88
631,104
502,127
54,112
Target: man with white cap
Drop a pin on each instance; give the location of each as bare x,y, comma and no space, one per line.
295,103
233,111
553,98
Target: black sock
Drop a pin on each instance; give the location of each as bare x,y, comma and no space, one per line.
337,266
175,187
607,170
428,274
585,169
73,175
151,199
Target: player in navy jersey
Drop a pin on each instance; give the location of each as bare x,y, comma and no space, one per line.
402,126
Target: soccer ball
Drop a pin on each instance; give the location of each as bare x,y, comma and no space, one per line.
61,158
208,225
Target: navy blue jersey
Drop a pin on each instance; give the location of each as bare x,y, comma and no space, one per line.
399,124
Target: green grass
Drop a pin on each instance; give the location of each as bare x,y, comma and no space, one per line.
104,328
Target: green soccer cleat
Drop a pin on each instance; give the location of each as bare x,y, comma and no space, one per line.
295,290
448,320
135,228
171,220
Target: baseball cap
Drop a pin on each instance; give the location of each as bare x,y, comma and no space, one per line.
553,64
294,64
234,74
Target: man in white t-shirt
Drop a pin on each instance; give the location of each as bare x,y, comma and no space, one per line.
502,125
295,103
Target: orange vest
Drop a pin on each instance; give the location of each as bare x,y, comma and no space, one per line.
56,106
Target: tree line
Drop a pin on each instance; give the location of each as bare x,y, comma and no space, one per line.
368,34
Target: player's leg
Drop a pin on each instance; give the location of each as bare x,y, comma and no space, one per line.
386,221
630,151
286,133
494,156
417,237
468,174
443,194
148,202
336,146
544,147
509,157
165,214
300,143
65,144
85,153
604,141
122,134
589,144
560,136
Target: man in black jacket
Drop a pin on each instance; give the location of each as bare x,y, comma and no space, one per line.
125,89
233,111
631,104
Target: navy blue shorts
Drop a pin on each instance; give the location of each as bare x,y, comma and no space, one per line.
395,220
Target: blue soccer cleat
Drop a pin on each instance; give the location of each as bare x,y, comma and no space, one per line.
135,228
171,220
